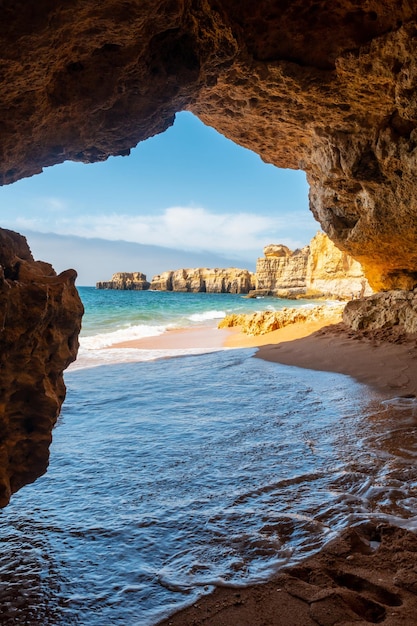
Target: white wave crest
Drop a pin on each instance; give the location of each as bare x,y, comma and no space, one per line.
206,316
112,356
103,340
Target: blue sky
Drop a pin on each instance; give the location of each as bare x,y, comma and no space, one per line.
189,189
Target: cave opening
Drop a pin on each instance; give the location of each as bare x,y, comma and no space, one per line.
325,87
188,189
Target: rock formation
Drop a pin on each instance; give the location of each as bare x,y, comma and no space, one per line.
40,316
331,271
390,314
282,272
319,269
266,321
132,281
217,280
325,87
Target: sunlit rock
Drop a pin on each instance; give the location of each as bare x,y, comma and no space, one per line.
200,280
317,270
326,88
132,281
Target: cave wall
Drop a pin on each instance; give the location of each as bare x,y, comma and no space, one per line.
40,318
327,86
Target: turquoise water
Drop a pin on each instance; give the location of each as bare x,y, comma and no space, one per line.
109,311
171,476
112,317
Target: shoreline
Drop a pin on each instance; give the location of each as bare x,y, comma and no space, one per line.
389,367
368,573
364,576
321,345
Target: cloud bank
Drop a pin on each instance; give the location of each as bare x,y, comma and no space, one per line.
97,259
240,235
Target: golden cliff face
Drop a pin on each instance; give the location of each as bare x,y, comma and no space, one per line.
319,269
216,280
331,271
326,87
282,272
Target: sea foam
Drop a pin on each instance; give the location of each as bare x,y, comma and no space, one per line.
104,340
206,316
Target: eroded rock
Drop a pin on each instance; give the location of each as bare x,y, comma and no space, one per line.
132,281
282,272
40,318
392,311
331,271
265,322
317,270
203,279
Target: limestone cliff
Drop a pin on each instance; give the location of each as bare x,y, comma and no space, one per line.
319,269
282,272
332,271
40,316
132,281
217,280
328,87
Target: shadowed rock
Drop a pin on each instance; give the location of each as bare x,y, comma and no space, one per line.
40,318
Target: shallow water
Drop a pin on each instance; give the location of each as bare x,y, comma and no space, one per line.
115,316
171,476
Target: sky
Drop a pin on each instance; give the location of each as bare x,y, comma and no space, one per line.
188,197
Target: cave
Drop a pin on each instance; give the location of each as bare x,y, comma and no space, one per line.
326,87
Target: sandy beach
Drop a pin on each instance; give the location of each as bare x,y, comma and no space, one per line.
369,573
390,366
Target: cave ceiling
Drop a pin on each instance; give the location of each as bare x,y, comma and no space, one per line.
324,86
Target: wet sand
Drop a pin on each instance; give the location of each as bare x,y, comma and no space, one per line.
183,338
390,366
369,573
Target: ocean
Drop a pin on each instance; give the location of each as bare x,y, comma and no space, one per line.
115,316
169,476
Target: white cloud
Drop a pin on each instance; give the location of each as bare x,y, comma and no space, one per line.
187,228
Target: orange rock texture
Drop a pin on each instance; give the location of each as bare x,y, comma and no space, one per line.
329,87
40,318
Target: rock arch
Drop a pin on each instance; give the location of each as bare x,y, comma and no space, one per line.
325,86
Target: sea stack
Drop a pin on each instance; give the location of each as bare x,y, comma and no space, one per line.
132,281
